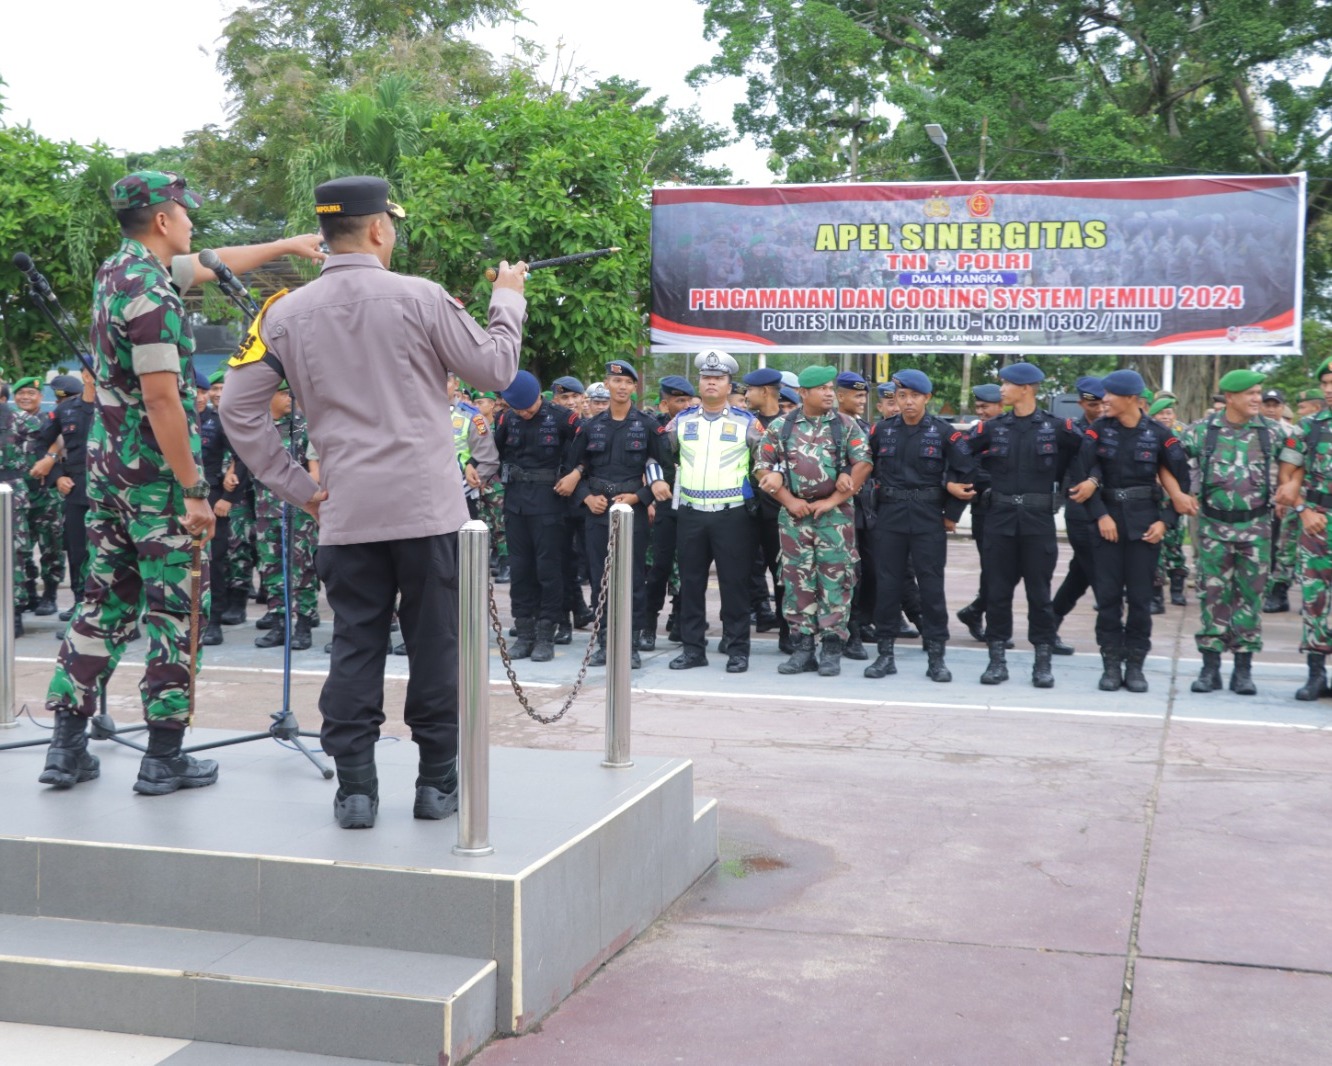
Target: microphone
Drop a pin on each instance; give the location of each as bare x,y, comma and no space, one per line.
24,262
225,277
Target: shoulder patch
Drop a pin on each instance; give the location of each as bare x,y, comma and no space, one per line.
1290,442
480,424
252,348
957,436
1092,433
1068,423
1171,441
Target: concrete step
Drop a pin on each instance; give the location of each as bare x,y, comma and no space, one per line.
378,1004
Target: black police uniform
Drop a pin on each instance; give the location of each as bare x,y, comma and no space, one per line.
1082,538
911,466
663,539
1026,458
533,456
214,450
1126,460
72,419
613,456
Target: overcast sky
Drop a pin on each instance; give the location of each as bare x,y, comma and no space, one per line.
77,71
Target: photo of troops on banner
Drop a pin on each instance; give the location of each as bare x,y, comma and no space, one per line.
1129,266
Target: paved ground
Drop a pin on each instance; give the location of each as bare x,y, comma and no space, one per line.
922,873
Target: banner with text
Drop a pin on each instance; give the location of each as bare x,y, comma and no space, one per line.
1152,265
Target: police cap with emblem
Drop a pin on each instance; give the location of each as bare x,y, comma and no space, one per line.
619,369
359,195
68,385
1090,389
714,363
1022,374
522,392
988,393
567,384
598,391
1270,396
915,380
887,388
674,385
762,377
849,379
1123,383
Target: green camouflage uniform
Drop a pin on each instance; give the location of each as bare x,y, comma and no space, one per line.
1233,550
12,469
242,557
44,513
302,531
1309,446
139,550
818,554
1286,548
492,514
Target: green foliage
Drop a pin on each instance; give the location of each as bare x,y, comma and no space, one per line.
518,177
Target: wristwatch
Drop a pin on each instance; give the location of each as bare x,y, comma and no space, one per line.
197,491
1300,508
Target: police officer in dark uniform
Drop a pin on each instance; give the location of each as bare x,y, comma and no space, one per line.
611,454
989,405
533,438
214,451
1116,477
1025,451
676,395
922,470
568,392
1078,524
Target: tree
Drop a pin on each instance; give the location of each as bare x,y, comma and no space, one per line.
520,177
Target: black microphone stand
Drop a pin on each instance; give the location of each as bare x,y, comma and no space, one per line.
285,728
101,726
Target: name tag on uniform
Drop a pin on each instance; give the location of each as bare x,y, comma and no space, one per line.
729,431
690,431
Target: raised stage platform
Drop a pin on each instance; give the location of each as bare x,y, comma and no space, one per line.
242,914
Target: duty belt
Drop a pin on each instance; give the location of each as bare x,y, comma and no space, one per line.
602,487
1137,492
927,495
1321,499
1031,500
1244,515
546,476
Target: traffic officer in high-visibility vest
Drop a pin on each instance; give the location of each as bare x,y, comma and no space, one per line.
478,456
714,445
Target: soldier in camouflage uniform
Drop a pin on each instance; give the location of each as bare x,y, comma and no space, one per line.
44,510
813,461
1235,450
1286,538
302,534
1306,487
1172,566
492,500
13,465
242,556
148,497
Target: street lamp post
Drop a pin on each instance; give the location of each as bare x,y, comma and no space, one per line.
936,133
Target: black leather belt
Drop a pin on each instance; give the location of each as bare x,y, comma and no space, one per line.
1137,492
542,476
1219,515
602,487
927,495
1045,500
1320,499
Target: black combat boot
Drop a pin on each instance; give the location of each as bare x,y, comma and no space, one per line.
598,656
525,641
436,789
886,663
1241,678
234,613
647,638
1134,679
274,633
583,615
830,658
802,655
1209,677
68,760
997,671
30,594
212,634
1177,587
270,619
564,631
765,618
1316,686
18,623
905,630
635,660
972,616
502,573
1112,670
936,670
869,634
301,638
1277,600
673,624
165,768
543,646
688,659
1158,600
1057,645
1042,674
855,648
784,644
47,604
357,799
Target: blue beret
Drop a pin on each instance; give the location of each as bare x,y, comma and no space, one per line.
523,392
674,385
988,393
915,380
765,375
567,384
200,379
1022,374
618,368
790,395
887,388
1124,383
1090,388
849,379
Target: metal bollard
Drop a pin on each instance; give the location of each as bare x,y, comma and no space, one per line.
7,682
619,637
473,691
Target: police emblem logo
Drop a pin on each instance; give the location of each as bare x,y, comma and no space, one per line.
730,431
936,207
691,430
712,362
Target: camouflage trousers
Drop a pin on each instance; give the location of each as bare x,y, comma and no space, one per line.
304,536
1315,562
1284,557
240,546
22,546
818,569
1231,576
1172,555
492,514
139,564
45,513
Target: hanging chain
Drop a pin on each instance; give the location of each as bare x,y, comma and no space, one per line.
498,628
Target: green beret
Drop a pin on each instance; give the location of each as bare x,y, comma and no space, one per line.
1311,394
27,383
1323,368
814,376
548,395
1241,380
486,396
1160,405
1148,395
216,376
